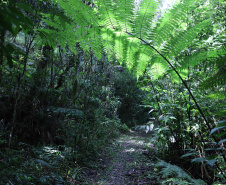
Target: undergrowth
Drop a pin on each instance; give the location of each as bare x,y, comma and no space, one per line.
26,164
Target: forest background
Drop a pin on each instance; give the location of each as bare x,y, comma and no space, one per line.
75,74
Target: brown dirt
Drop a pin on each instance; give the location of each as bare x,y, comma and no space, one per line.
124,162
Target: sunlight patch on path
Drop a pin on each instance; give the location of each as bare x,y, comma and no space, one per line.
126,164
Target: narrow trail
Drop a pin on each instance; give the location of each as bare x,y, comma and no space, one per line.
124,162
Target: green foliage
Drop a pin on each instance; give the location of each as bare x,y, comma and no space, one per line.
46,165
176,175
131,22
179,127
59,84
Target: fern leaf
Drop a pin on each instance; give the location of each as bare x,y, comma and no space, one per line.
144,59
170,22
108,36
106,13
125,15
185,38
168,170
79,12
143,18
132,48
121,43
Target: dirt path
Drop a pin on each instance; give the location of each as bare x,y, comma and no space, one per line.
125,162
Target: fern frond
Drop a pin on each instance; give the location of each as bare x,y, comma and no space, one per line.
144,16
92,38
106,11
124,29
125,15
186,38
214,81
176,173
81,14
108,39
131,51
169,22
218,77
144,59
48,36
121,44
158,67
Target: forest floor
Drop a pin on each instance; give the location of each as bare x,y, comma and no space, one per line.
125,162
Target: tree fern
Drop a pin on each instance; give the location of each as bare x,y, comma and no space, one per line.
107,25
124,29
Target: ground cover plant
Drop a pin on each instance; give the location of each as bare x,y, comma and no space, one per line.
76,74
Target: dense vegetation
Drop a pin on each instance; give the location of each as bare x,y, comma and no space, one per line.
75,74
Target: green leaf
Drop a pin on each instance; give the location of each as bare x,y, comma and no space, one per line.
43,163
189,154
188,106
221,105
198,160
222,141
221,123
25,7
189,149
211,162
212,157
64,19
221,112
216,129
210,149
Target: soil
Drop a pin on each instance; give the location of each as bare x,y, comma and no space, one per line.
125,162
